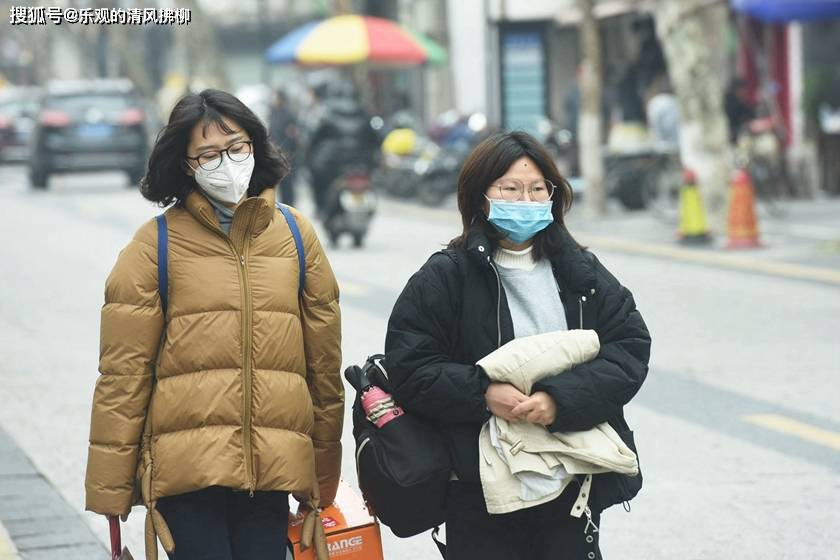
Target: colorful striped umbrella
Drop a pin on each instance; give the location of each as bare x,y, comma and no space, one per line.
351,39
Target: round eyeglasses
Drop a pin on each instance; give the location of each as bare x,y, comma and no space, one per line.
513,190
212,159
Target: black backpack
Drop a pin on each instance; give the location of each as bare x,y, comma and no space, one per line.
403,467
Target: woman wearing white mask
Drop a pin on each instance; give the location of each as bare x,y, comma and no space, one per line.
220,390
514,272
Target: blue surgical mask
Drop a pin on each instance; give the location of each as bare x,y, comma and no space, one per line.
520,221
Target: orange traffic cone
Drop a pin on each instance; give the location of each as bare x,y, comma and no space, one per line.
692,228
743,226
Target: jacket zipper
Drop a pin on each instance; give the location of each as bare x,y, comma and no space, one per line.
581,299
248,390
246,342
498,303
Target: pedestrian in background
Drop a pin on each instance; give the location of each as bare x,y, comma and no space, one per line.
515,271
285,133
342,139
213,408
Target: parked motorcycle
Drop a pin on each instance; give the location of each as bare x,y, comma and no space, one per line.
562,145
440,162
396,174
760,150
437,171
351,204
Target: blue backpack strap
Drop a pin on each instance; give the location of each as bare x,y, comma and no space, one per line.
163,261
290,219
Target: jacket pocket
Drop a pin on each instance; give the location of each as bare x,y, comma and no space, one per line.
630,484
614,488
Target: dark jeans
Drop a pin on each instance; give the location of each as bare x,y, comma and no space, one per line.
542,532
217,523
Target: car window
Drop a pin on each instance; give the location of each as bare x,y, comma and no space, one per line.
77,104
17,107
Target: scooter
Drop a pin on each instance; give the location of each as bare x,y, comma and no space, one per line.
351,204
437,175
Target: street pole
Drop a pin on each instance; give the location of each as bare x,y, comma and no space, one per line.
589,119
263,16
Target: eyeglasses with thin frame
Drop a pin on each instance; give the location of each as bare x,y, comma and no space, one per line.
513,190
212,159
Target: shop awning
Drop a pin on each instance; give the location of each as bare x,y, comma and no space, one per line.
789,10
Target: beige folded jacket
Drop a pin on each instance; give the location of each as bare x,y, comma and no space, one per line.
531,447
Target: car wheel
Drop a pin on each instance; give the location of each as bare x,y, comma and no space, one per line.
38,178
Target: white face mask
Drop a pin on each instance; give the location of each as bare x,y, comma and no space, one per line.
227,183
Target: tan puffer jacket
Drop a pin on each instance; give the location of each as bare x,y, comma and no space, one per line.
238,386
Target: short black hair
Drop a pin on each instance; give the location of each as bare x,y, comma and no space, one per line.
490,160
167,181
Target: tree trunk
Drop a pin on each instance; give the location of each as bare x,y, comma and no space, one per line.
203,52
683,28
589,119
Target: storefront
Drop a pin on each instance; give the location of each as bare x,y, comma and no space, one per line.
788,57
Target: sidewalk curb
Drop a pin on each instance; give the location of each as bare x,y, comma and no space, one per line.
728,261
41,525
7,547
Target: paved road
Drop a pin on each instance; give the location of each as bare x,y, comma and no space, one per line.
738,425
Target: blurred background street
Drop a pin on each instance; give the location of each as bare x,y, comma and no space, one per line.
651,109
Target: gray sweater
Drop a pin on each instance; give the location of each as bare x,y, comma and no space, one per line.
532,293
224,214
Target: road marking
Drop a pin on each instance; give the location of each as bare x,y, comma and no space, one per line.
774,268
724,260
810,232
7,549
795,428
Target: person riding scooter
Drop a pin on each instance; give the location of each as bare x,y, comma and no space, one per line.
342,139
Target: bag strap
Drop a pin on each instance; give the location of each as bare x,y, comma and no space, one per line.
116,539
163,262
290,219
441,546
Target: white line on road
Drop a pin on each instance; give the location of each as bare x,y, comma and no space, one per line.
817,233
774,268
7,548
795,428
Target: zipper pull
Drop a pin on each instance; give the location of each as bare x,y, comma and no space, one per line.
589,521
242,259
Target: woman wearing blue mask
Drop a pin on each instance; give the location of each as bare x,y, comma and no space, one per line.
515,272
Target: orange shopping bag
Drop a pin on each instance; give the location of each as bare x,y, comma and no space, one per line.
352,532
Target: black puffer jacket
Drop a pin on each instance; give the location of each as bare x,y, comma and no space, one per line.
342,138
453,312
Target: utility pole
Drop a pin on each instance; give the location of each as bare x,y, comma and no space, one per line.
589,118
263,21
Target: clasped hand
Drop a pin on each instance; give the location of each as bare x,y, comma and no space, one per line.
506,401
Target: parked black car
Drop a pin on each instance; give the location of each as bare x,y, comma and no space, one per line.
18,112
94,125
